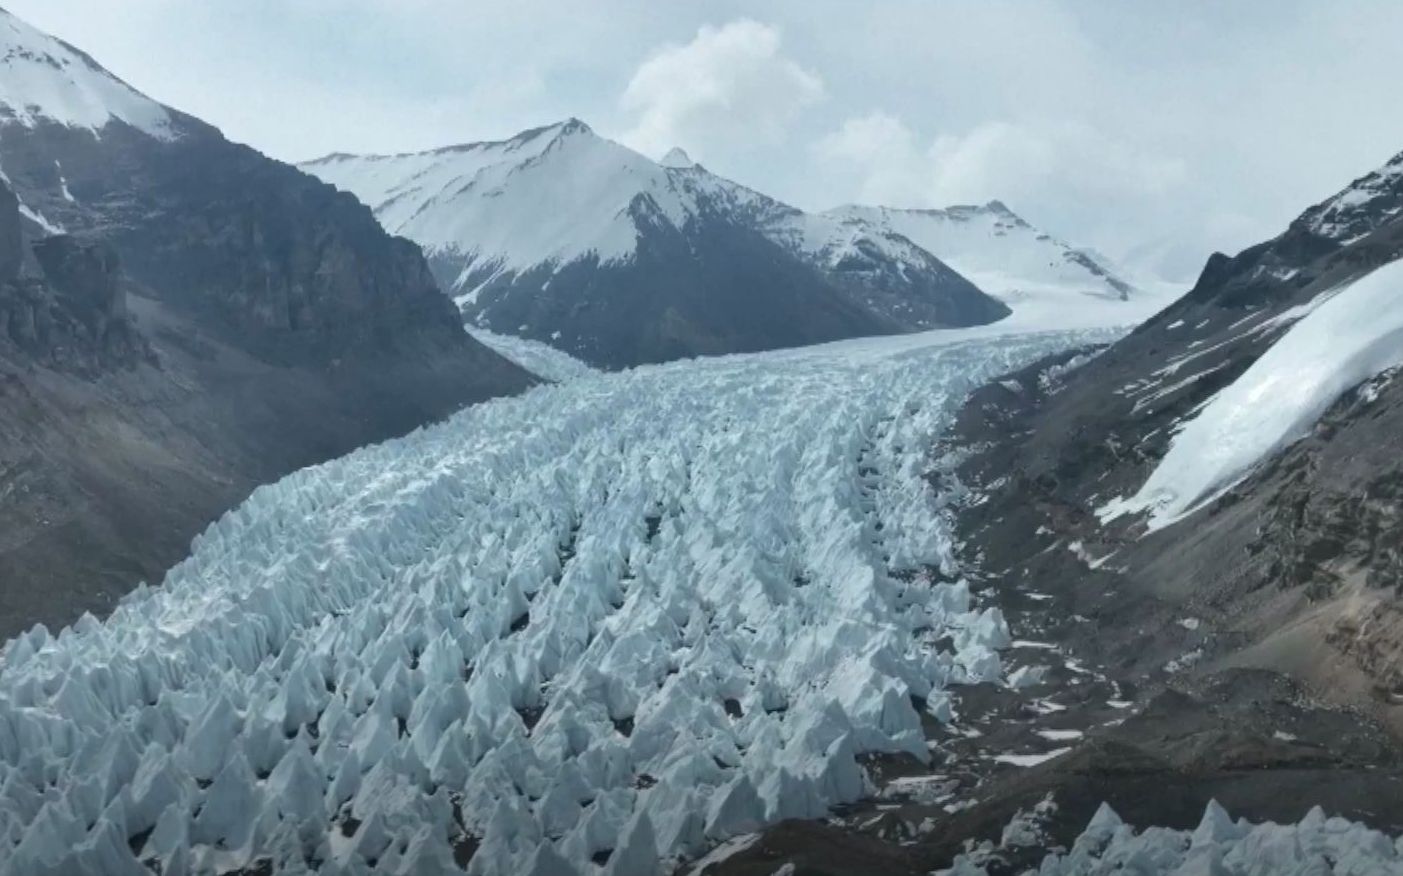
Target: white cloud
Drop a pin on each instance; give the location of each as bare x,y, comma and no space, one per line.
1038,160
991,160
731,81
877,157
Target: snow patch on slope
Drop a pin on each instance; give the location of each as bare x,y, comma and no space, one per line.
643,611
1342,339
45,79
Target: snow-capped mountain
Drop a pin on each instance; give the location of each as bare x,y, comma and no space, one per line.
1361,207
181,319
564,236
1037,275
43,79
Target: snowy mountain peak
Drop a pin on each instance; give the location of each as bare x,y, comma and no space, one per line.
1038,275
43,79
551,195
573,125
1361,206
558,130
677,158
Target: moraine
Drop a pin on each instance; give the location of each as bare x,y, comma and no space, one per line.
632,613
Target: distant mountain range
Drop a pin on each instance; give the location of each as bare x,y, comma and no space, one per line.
563,236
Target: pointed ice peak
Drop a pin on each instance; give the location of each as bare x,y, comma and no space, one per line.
1103,824
1216,826
678,158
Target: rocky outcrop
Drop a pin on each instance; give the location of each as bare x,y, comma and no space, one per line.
267,257
73,317
11,245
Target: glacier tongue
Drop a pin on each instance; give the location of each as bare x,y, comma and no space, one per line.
634,613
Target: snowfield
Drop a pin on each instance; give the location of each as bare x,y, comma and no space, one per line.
640,612
1043,280
1340,339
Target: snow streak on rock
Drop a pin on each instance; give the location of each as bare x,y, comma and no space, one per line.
614,620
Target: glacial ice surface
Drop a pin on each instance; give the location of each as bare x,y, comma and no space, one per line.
617,619
1317,845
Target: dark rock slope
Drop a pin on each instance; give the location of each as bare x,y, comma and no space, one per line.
1258,638
1296,567
259,321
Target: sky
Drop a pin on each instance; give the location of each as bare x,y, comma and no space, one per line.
1155,133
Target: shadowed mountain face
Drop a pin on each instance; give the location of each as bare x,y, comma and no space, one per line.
563,236
182,318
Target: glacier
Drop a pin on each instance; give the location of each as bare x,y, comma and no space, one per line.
618,619
604,627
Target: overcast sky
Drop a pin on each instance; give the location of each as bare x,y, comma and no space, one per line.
1155,132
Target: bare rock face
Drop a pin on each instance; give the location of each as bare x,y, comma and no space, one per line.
72,319
84,280
84,276
11,254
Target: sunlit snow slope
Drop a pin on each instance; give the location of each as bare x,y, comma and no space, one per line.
45,80
1044,280
637,612
1343,338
